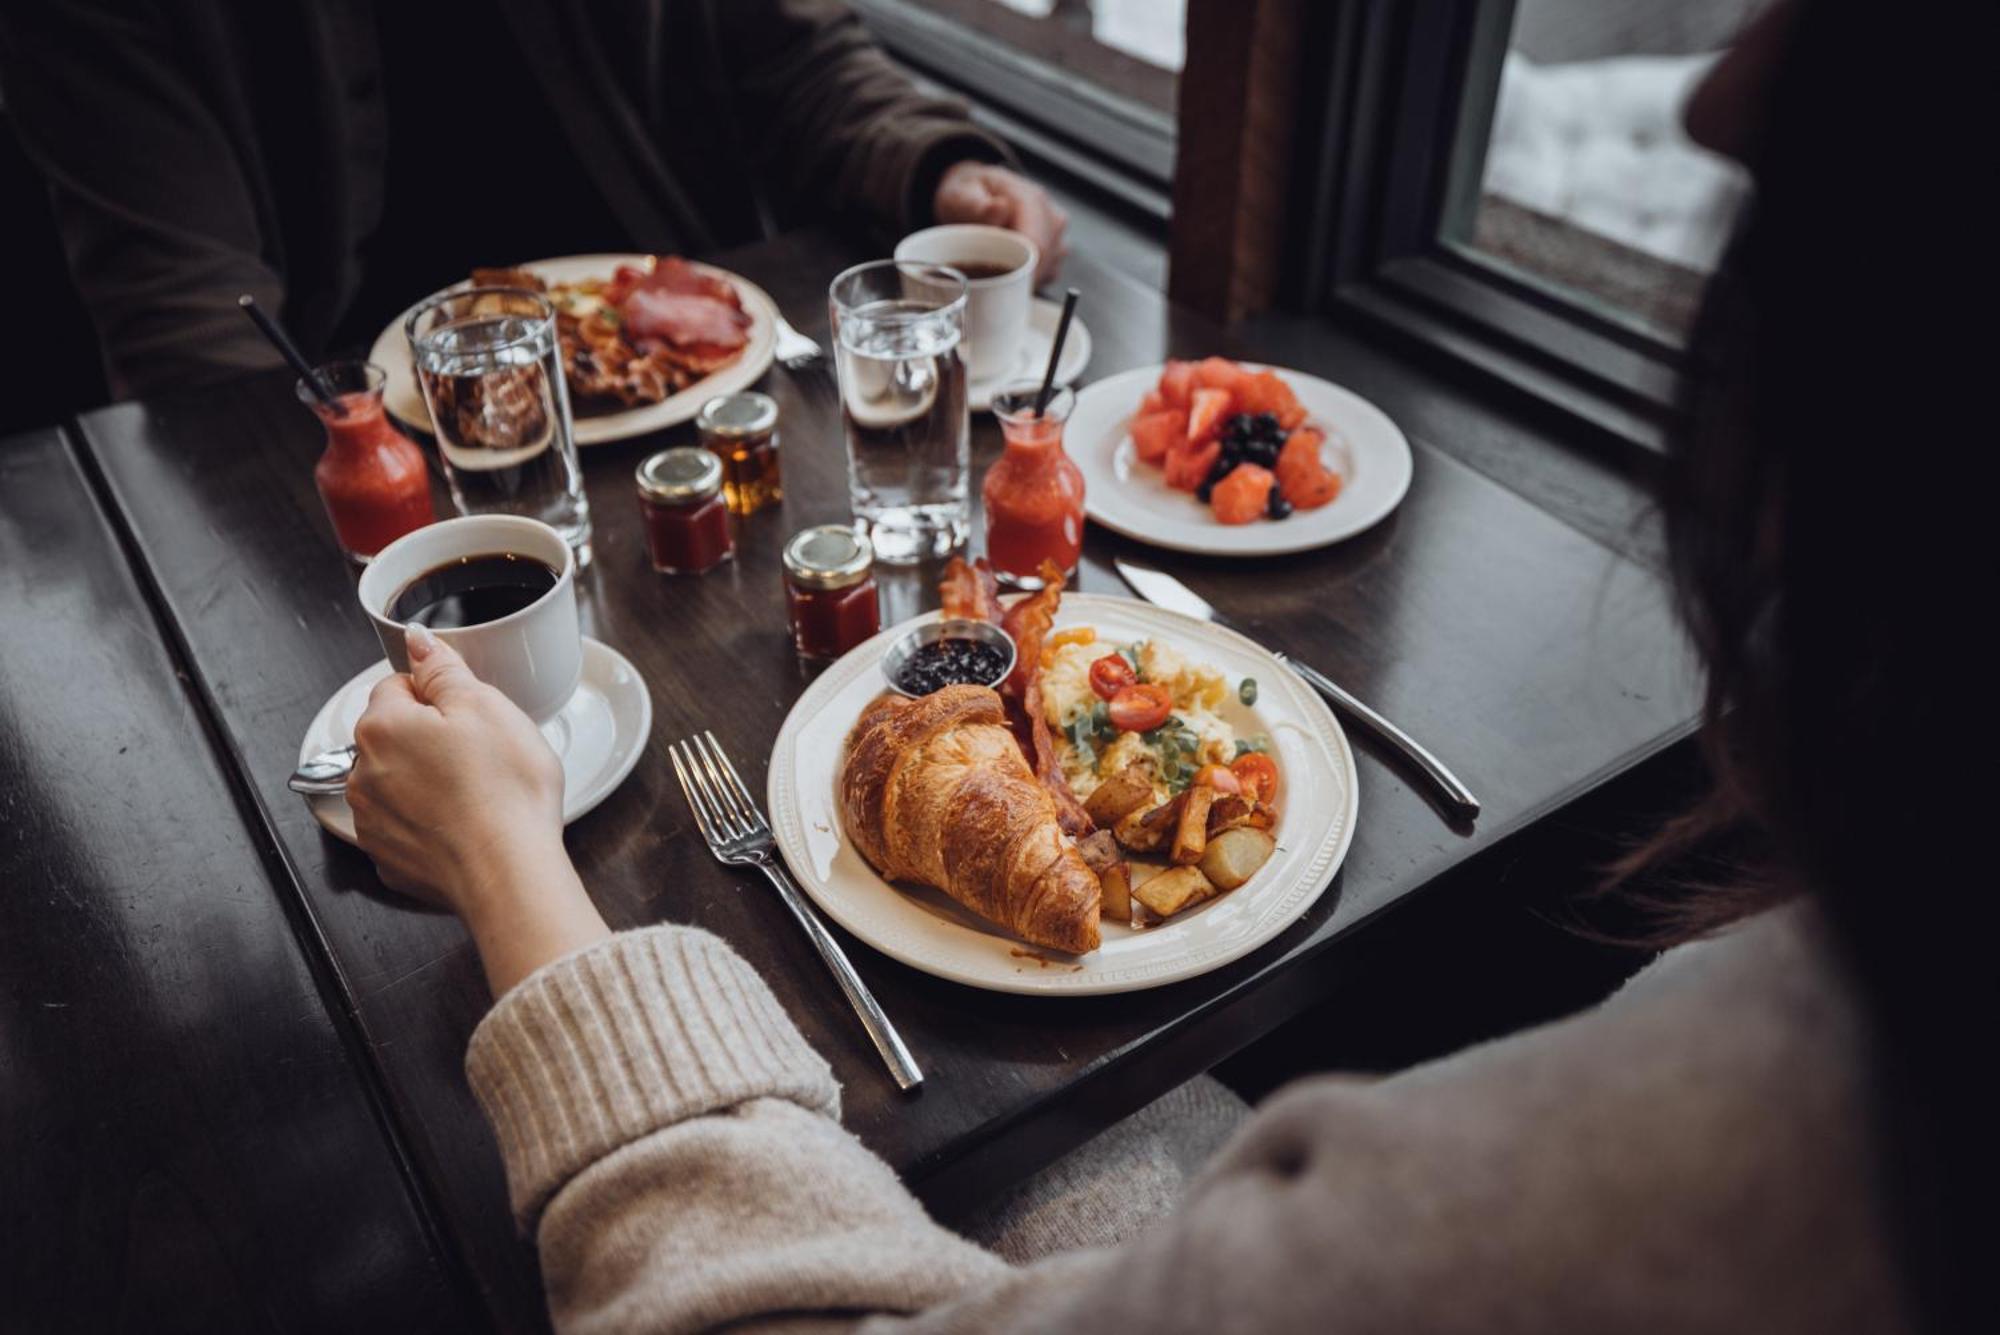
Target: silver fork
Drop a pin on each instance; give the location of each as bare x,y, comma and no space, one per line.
796,352
739,836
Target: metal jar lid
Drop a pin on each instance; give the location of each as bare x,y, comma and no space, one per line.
832,556
733,416
680,476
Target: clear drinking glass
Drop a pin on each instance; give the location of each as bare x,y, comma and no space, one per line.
492,376
896,331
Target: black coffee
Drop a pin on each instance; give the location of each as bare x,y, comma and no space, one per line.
472,591
975,272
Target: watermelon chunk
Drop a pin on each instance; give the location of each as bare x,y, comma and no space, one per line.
1301,452
1309,491
1241,497
1265,392
1218,373
1188,465
1177,384
1303,477
1154,434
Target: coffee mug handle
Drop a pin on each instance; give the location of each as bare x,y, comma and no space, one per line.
390,633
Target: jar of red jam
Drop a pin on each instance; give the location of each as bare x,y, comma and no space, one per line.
830,590
371,479
680,500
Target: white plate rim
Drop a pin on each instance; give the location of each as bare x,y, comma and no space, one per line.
1311,871
600,661
1106,406
405,401
1076,354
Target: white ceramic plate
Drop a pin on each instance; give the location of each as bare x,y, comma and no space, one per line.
599,734
1033,358
405,399
1127,496
926,930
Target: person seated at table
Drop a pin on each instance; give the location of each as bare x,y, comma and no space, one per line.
340,162
1766,1130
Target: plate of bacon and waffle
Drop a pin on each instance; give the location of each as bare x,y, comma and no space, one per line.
646,340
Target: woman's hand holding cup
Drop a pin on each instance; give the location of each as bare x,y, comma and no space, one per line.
458,798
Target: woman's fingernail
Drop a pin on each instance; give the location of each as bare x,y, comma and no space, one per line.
419,641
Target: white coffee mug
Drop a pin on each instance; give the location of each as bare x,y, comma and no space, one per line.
996,308
534,656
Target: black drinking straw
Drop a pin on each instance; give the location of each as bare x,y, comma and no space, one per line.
283,343
1055,353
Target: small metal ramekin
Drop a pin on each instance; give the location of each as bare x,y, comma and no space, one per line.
901,651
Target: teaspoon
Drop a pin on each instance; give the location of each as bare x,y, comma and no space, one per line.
323,774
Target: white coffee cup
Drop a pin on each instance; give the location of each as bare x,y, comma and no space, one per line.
534,656
996,308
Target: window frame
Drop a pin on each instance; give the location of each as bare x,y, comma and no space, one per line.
1403,128
1121,146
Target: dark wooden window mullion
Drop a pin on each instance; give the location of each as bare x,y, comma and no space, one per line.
1405,128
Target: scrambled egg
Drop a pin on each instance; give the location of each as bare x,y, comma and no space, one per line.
1092,751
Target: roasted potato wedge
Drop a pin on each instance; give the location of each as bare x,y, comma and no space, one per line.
1145,831
1191,829
1228,811
1232,811
1115,902
1234,856
1101,854
1173,890
1125,792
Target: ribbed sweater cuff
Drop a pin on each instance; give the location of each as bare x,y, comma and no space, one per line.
637,1033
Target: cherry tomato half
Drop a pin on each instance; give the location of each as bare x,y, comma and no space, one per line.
1110,675
1219,777
1141,707
1259,775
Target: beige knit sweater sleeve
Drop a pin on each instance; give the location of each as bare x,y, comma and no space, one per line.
1687,1158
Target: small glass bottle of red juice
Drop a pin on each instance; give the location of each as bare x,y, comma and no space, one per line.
372,477
1033,493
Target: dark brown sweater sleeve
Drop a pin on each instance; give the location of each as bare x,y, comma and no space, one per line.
837,129
156,217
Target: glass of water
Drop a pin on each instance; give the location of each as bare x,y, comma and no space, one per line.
896,330
492,375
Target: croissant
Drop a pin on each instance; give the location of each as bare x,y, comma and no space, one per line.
935,790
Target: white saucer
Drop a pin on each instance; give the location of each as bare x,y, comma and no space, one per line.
1043,316
599,734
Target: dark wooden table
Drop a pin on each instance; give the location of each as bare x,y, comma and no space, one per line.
1536,661
187,1142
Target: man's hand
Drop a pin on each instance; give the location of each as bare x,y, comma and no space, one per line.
979,192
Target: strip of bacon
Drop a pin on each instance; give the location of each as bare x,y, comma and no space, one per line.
682,319
670,273
1028,622
970,592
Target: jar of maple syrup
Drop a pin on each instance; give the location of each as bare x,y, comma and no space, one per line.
742,431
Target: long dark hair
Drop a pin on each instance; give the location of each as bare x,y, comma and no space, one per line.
1825,510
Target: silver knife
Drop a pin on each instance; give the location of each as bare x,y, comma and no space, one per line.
1156,586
